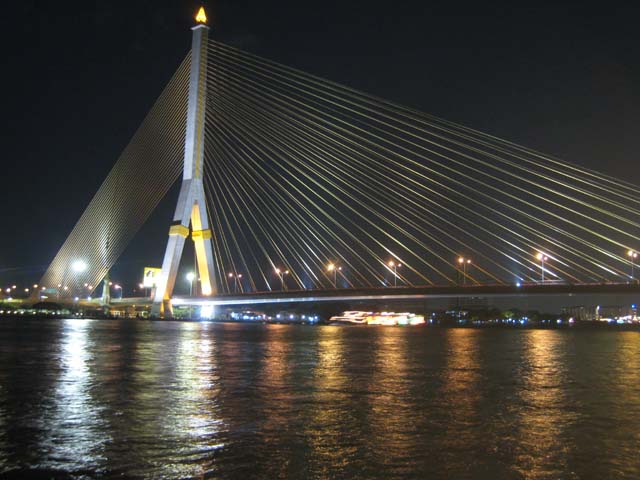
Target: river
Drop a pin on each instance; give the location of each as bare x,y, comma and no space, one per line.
141,399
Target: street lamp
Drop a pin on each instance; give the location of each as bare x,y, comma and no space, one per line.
542,257
395,267
463,263
118,287
281,274
632,255
237,277
190,278
335,269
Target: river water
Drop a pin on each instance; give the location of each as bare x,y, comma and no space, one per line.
141,399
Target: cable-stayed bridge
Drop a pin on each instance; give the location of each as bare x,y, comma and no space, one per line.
293,182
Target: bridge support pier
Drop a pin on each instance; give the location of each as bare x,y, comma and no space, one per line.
192,205
106,290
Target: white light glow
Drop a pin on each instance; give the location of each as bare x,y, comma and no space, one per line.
79,266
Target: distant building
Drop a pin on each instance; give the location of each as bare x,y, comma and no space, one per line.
579,313
469,303
602,313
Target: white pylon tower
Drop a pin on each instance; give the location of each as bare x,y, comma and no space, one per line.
192,206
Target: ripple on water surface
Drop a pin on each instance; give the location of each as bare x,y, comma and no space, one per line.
87,398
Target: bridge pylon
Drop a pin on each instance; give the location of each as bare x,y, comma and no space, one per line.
192,205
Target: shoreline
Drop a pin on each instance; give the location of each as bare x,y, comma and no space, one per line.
587,326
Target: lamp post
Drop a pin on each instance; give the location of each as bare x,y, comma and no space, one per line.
144,288
236,278
119,287
334,268
190,278
281,274
542,257
395,267
632,255
78,267
463,263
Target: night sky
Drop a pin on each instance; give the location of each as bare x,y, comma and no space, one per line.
79,78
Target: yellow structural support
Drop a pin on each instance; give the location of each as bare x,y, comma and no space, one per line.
179,230
200,237
203,234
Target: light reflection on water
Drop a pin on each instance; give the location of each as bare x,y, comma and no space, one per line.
182,400
76,431
543,413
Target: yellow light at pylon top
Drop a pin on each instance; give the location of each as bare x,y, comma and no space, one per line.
201,17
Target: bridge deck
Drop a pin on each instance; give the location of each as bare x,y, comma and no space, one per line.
408,292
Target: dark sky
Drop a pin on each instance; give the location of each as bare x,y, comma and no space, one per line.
79,78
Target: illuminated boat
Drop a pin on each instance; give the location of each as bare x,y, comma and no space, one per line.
378,318
352,317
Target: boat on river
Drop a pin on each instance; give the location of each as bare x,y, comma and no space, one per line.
353,317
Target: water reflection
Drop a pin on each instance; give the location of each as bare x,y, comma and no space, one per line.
542,410
191,423
624,417
182,400
4,427
331,427
275,367
75,433
392,411
461,380
279,399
